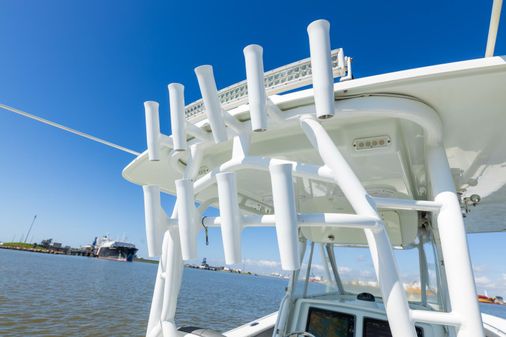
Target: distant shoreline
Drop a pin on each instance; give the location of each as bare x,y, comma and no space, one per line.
29,247
34,248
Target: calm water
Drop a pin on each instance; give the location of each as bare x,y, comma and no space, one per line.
47,295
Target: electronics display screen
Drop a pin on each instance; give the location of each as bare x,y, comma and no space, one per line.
379,328
325,323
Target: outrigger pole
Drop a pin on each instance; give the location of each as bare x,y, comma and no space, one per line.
66,128
493,28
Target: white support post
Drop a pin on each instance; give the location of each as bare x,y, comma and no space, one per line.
332,260
232,123
173,278
286,304
168,282
256,87
326,269
240,146
186,218
308,270
285,213
274,112
153,214
321,67
154,323
452,234
170,267
230,216
212,102
197,132
424,272
394,297
152,130
177,117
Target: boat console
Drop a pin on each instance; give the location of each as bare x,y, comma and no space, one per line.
348,317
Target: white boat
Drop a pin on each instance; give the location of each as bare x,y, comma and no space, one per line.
384,162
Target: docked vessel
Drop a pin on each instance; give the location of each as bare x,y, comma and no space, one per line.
387,163
106,248
485,299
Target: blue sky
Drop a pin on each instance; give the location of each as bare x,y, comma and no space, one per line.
90,65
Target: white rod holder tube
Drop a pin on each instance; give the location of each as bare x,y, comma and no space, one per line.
253,57
229,213
212,102
186,218
286,215
321,67
177,117
153,217
152,129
